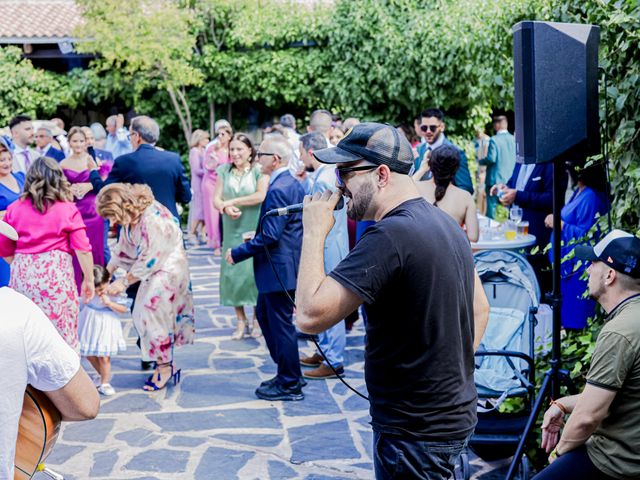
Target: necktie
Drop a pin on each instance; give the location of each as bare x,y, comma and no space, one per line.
27,159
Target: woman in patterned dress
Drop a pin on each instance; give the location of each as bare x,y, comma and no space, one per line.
50,230
150,249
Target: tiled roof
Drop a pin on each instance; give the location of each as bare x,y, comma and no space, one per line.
35,20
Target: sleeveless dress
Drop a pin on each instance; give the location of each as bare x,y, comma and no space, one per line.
94,222
100,330
208,188
237,282
7,197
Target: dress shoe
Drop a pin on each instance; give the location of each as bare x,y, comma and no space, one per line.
322,372
271,381
144,365
313,361
275,391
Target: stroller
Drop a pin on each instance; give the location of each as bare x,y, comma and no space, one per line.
505,365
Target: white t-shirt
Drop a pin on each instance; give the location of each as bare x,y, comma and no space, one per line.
31,352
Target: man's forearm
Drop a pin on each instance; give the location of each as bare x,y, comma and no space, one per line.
577,431
310,275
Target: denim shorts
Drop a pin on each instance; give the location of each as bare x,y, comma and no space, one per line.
396,457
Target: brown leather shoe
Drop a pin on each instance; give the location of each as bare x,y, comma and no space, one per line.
322,372
313,361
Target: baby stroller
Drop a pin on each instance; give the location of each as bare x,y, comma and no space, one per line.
505,365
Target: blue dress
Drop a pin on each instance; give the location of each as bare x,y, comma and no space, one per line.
7,197
578,215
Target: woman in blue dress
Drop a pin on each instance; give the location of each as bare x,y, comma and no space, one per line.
10,189
588,201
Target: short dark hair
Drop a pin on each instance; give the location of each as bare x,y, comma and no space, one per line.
100,275
18,119
432,112
313,141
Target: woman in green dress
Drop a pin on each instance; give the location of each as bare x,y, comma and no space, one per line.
240,190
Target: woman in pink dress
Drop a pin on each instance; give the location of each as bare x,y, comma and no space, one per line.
199,140
76,169
216,155
50,231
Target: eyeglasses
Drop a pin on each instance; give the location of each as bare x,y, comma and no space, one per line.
263,154
342,171
426,128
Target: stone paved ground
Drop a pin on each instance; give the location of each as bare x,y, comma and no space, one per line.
211,426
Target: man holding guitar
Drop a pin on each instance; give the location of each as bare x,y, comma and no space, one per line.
33,353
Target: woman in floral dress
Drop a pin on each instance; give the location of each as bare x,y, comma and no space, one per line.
150,249
50,231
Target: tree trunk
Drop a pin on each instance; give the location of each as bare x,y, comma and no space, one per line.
229,116
186,127
212,119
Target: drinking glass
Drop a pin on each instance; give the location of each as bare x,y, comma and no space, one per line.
510,230
515,214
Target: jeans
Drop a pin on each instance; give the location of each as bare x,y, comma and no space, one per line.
332,342
573,464
396,457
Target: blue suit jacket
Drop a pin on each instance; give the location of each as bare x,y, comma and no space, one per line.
162,171
281,235
536,200
102,155
462,178
57,155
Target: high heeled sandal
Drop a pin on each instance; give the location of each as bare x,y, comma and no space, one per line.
255,332
153,386
241,330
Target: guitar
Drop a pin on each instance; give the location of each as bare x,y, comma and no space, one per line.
37,433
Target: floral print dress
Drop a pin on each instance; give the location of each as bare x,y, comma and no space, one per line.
153,251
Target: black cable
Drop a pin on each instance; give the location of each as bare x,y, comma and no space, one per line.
293,304
605,143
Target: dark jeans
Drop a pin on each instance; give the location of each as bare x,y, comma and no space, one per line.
396,457
573,464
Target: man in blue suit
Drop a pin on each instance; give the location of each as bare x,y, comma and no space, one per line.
282,236
162,171
432,127
531,188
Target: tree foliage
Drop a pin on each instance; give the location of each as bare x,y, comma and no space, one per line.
28,90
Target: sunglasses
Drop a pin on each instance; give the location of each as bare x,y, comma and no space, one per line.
426,128
341,172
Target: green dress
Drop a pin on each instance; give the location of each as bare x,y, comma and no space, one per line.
237,283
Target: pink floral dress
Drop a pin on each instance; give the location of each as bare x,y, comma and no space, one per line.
153,251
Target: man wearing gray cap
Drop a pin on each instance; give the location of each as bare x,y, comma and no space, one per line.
601,437
413,271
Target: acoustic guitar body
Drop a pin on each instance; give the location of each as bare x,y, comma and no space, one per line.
37,433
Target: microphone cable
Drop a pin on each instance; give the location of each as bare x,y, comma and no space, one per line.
293,304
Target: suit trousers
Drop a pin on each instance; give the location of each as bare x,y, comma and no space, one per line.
274,312
332,342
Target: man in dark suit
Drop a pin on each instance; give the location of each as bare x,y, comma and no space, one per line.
531,188
162,171
282,236
432,126
44,137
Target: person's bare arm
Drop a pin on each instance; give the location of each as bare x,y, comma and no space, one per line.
217,196
480,310
321,302
253,199
471,220
78,399
85,259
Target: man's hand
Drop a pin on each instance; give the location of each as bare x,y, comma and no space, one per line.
228,257
551,425
508,196
120,121
317,215
496,187
548,221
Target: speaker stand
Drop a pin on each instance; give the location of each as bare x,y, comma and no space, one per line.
555,376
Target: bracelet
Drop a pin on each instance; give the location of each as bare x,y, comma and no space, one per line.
562,408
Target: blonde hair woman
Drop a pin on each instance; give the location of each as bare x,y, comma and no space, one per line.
150,249
216,155
50,231
199,140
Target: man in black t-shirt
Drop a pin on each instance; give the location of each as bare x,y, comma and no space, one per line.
414,272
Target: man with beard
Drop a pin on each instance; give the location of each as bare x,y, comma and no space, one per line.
321,178
413,270
601,438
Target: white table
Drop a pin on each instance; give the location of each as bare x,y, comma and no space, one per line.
504,244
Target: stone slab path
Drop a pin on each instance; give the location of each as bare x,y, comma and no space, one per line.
211,425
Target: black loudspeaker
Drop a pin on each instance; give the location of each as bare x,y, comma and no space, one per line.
556,90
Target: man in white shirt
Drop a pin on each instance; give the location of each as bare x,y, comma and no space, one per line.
22,135
33,353
118,142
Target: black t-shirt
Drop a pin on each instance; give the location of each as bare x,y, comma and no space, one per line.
414,271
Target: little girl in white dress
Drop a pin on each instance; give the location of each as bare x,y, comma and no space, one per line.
100,330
